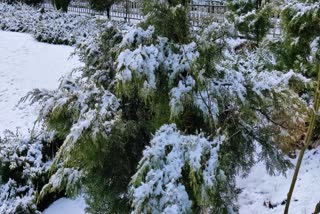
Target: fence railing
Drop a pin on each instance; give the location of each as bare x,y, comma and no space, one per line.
131,11
126,10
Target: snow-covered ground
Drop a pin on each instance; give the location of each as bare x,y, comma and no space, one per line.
259,187
65,205
26,64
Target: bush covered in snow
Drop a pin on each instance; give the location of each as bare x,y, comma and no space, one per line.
178,173
225,97
29,2
135,81
24,170
27,185
51,26
18,17
301,37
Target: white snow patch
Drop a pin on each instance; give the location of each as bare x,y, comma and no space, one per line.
259,187
66,205
26,64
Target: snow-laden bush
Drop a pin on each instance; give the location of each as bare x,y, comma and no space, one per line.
135,81
83,114
24,167
26,184
51,26
18,17
28,2
301,37
232,84
63,28
176,170
252,18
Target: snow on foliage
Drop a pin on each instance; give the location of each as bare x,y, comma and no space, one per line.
81,108
240,72
143,60
89,106
232,83
51,26
23,165
159,186
236,86
62,179
19,18
301,29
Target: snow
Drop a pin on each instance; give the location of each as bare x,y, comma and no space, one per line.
24,65
66,205
159,179
259,187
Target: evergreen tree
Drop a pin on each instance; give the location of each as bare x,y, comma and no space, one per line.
61,4
239,95
102,5
169,17
223,95
251,17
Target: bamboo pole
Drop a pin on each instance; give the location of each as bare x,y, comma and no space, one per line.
317,209
307,141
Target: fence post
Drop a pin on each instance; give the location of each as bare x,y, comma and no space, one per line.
127,11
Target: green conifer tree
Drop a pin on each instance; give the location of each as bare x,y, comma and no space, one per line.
135,82
61,4
102,5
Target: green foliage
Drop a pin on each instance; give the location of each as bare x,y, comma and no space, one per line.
101,5
60,120
174,22
24,163
251,18
299,48
61,4
109,162
133,84
301,36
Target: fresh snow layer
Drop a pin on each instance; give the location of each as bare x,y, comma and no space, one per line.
26,64
259,187
65,205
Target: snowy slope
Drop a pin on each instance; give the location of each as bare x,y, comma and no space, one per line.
259,187
26,64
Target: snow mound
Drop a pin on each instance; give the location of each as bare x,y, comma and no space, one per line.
66,205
